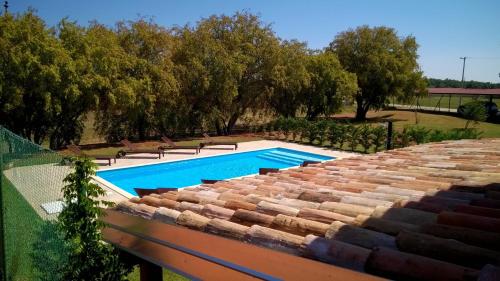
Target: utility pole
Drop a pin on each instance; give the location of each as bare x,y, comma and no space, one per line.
463,72
6,6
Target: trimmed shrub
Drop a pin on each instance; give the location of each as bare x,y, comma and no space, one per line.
352,133
418,134
364,137
379,134
322,135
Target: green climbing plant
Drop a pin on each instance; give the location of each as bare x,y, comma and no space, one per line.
89,257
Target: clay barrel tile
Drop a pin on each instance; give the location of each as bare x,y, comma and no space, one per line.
250,218
141,210
446,250
274,209
213,211
404,266
346,209
299,226
335,252
183,206
192,220
226,228
238,204
470,221
166,215
406,215
359,236
323,216
362,201
274,239
384,226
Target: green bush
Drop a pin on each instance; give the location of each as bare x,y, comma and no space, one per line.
418,134
364,137
474,111
352,136
334,133
88,258
322,127
379,134
312,131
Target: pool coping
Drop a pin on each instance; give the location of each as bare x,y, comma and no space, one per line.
129,195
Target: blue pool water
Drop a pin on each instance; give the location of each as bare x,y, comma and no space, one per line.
190,172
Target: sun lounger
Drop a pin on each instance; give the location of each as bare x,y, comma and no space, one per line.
172,145
133,149
210,141
76,150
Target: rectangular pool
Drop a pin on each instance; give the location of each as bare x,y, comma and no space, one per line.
190,172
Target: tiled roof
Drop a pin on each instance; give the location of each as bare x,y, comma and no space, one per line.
427,212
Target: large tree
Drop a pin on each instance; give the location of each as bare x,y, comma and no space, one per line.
330,85
385,65
224,64
135,82
43,81
290,78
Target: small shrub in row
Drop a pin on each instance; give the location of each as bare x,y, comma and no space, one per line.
358,137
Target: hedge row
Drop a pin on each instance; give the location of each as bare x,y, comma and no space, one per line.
358,137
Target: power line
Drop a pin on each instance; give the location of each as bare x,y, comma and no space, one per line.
484,58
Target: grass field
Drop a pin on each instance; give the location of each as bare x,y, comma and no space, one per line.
404,118
93,144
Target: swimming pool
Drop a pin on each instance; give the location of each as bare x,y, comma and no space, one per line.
190,172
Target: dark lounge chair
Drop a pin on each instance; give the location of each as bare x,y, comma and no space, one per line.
133,149
172,145
76,150
210,141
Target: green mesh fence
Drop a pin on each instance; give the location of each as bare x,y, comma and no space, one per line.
30,195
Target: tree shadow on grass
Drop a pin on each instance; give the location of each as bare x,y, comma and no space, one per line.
49,253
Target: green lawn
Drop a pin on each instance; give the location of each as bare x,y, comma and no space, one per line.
20,222
435,121
445,101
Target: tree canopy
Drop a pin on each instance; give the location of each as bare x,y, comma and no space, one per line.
385,65
142,80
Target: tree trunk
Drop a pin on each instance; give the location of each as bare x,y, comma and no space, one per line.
361,109
232,122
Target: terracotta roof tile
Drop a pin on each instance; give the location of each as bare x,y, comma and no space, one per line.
428,212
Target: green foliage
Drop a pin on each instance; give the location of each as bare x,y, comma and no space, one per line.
385,65
330,85
450,83
379,134
43,79
454,134
312,131
365,137
418,134
474,111
353,133
322,127
89,258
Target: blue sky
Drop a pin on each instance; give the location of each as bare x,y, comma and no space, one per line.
445,29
